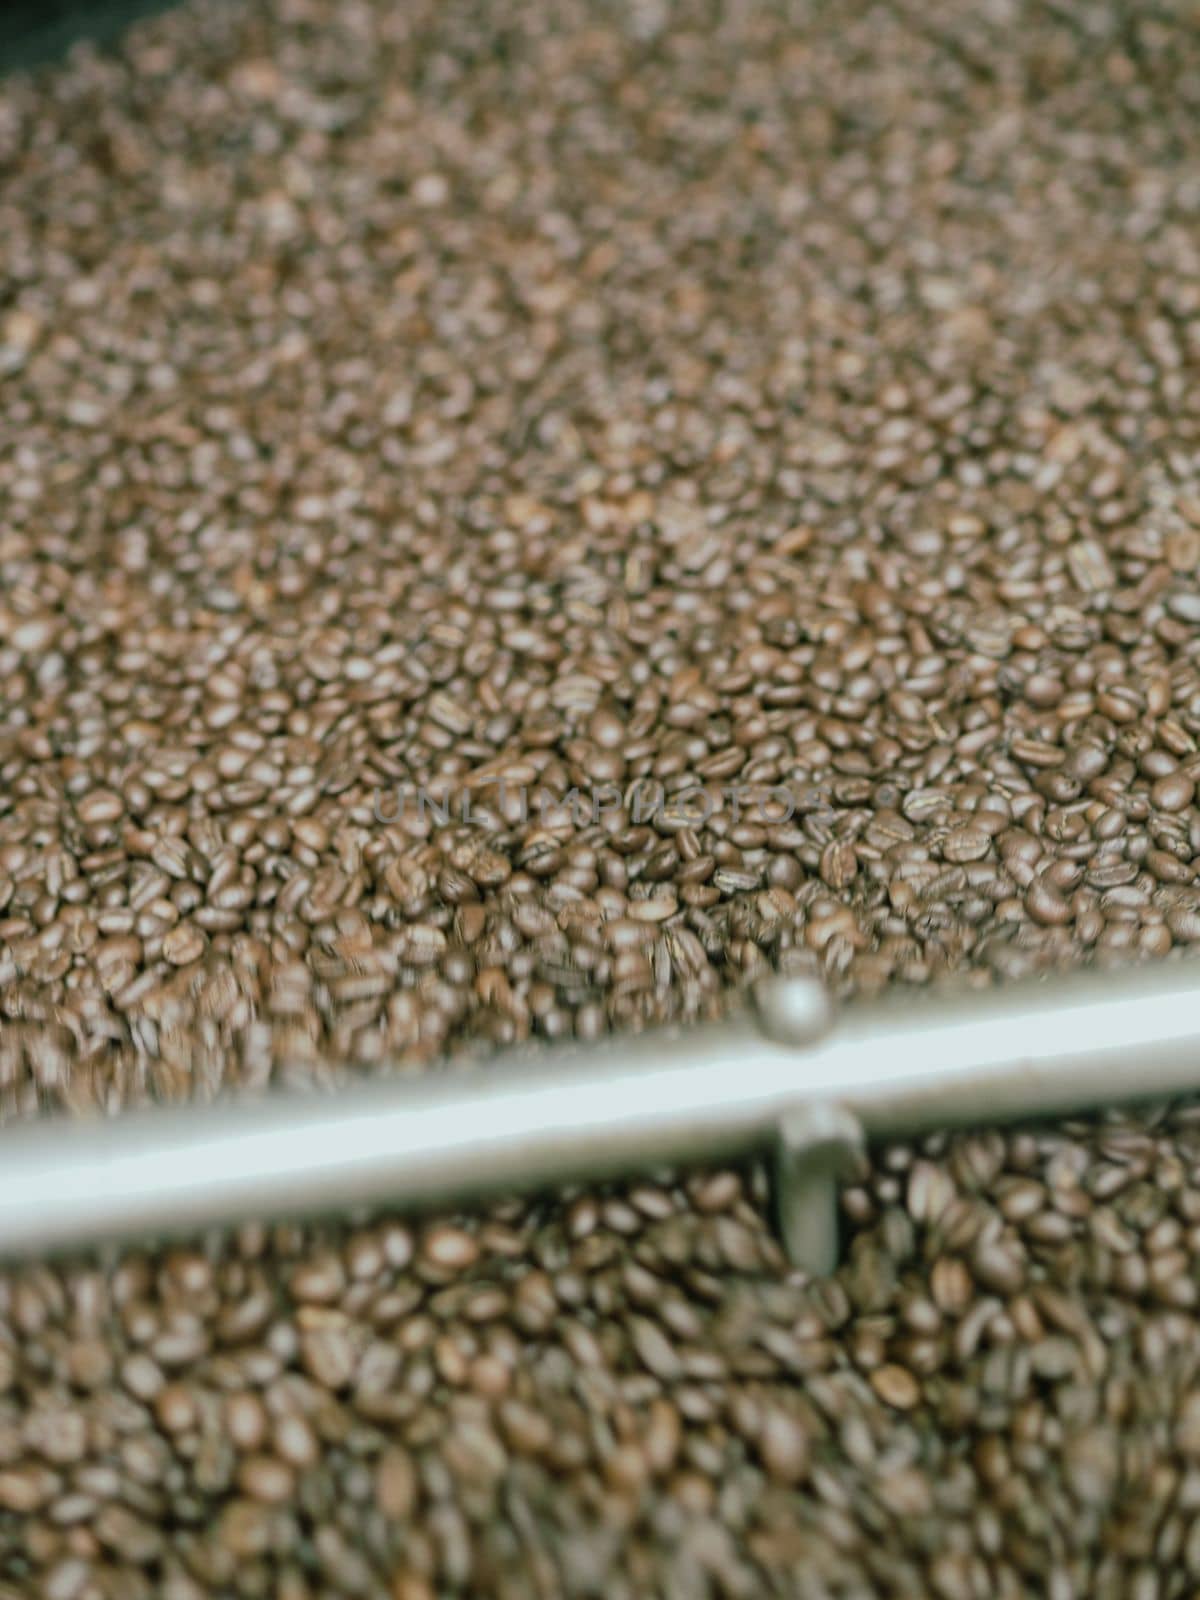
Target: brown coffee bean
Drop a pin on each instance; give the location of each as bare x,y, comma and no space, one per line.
1045,904
896,1387
449,1248
183,945
396,1485
327,1348
267,1479
246,1421
1173,792
784,1447
295,1442
966,844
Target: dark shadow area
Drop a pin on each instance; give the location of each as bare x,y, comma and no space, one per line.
36,31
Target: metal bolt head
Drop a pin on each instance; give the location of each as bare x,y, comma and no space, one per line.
794,1011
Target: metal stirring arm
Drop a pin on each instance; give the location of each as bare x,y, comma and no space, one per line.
787,1075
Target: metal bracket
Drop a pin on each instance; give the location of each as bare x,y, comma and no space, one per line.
816,1146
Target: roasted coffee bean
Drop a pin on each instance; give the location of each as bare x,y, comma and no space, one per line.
576,507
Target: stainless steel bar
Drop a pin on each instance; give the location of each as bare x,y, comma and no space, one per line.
674,1097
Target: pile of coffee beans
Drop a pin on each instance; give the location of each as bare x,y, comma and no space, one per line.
507,403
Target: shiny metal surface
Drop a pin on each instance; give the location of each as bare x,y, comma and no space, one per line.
894,1066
